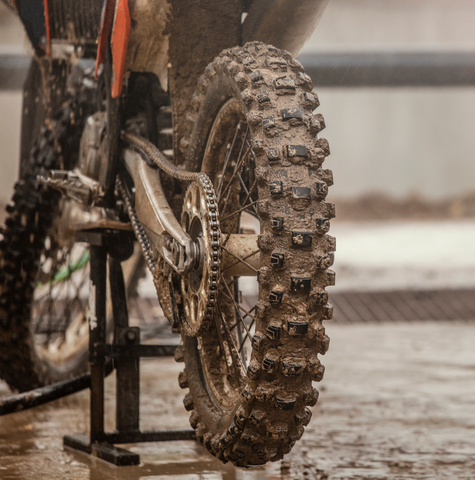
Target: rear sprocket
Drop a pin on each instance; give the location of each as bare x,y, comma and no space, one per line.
199,287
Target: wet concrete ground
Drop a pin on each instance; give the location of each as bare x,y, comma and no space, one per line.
397,402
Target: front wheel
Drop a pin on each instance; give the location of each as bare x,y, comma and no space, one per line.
44,278
250,366
44,271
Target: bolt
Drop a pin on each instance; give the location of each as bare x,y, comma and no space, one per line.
131,335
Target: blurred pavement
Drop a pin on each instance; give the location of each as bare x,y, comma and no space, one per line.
397,403
404,255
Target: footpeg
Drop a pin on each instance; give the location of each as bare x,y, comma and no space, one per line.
73,185
79,210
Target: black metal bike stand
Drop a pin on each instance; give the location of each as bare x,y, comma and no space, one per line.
125,352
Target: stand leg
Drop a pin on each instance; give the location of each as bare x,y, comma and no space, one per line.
128,368
97,337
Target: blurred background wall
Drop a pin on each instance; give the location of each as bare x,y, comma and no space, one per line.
401,141
416,142
12,41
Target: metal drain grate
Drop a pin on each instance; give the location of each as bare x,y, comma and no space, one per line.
351,307
404,306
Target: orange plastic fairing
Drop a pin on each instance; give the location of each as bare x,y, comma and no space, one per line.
120,40
48,35
106,27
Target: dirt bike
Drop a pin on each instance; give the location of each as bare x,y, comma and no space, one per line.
185,127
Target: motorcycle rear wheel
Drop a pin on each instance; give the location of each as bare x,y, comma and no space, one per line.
250,368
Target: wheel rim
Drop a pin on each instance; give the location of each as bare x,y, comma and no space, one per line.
225,349
60,303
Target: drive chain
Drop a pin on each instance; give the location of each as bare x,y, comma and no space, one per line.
153,154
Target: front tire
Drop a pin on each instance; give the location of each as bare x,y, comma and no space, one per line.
250,371
44,274
44,279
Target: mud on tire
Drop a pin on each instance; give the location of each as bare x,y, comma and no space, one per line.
258,99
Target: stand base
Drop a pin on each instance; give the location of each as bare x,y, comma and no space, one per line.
105,450
125,352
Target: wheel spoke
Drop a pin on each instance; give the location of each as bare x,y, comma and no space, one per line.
228,156
242,209
240,321
235,223
238,307
235,359
248,335
230,182
247,191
